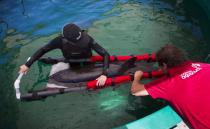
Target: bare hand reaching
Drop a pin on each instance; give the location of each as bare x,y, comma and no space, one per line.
101,80
23,69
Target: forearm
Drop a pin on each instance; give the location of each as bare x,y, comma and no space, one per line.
35,57
54,44
137,87
102,52
106,64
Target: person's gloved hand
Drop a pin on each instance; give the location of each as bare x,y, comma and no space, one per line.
101,80
23,69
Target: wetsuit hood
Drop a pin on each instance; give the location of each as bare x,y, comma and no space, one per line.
75,34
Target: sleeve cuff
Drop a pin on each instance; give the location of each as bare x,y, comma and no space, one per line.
105,72
27,64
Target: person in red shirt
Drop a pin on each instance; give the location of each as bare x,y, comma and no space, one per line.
185,86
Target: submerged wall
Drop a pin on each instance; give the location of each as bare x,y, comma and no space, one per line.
199,11
205,5
205,18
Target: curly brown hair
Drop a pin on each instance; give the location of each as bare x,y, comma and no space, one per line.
170,55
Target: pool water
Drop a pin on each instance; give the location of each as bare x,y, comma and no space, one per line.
122,27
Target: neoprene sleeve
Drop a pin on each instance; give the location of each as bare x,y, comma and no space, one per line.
54,44
101,51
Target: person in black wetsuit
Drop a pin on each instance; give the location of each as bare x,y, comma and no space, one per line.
74,44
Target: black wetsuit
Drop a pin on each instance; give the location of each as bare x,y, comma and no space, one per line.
72,51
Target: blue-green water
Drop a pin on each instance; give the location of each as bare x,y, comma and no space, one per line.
123,27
